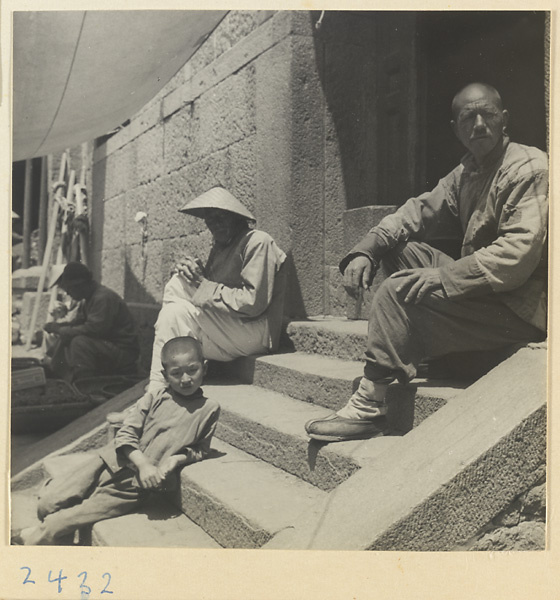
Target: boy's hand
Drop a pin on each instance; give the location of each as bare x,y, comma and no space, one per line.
149,476
168,465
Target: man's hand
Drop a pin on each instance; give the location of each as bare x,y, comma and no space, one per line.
149,476
416,283
59,311
52,327
192,270
359,272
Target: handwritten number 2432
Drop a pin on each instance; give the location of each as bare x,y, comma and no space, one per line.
83,575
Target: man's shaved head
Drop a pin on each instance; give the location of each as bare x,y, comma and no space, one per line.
181,345
479,120
472,91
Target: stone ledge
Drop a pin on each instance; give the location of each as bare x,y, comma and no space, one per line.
451,475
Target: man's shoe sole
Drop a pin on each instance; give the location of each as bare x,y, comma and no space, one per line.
364,430
333,438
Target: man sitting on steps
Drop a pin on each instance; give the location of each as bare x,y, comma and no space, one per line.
102,339
234,303
494,203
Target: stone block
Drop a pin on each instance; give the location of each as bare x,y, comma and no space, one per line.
205,54
180,139
154,277
137,200
150,115
509,517
120,174
236,25
534,502
226,113
358,221
223,502
145,316
273,156
336,298
208,172
451,475
163,199
241,169
340,338
156,525
113,267
113,222
136,273
307,173
529,535
149,149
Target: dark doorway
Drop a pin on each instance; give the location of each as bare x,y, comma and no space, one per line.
504,49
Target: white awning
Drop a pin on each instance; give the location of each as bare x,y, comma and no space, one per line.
79,74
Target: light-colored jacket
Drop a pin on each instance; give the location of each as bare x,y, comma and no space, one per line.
499,214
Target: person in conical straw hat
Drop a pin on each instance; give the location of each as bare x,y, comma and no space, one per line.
234,303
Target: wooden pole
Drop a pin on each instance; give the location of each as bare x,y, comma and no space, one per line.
49,182
27,214
46,256
43,208
60,254
80,208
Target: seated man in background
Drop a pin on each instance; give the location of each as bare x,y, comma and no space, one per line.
102,339
495,203
234,304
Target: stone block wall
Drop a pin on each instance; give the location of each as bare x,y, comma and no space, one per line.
199,131
520,526
277,111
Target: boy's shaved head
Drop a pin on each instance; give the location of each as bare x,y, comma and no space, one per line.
181,345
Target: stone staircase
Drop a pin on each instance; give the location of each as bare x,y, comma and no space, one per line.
264,481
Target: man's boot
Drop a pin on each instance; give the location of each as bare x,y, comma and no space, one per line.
361,418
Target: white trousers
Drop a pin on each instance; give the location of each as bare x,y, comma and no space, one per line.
223,336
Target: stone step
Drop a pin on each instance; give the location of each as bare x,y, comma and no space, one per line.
158,525
241,501
85,433
270,426
23,509
330,336
329,382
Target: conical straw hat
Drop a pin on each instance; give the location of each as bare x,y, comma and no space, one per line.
217,197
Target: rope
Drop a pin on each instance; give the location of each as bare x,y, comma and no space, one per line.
320,21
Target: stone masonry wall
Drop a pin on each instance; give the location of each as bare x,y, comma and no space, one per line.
199,131
273,109
521,526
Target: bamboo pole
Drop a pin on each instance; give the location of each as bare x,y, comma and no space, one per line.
27,214
49,182
47,254
43,208
80,208
60,254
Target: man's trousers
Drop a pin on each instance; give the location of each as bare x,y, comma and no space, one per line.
401,335
84,356
223,336
83,497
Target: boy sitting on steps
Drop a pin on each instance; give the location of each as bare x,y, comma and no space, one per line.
162,433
